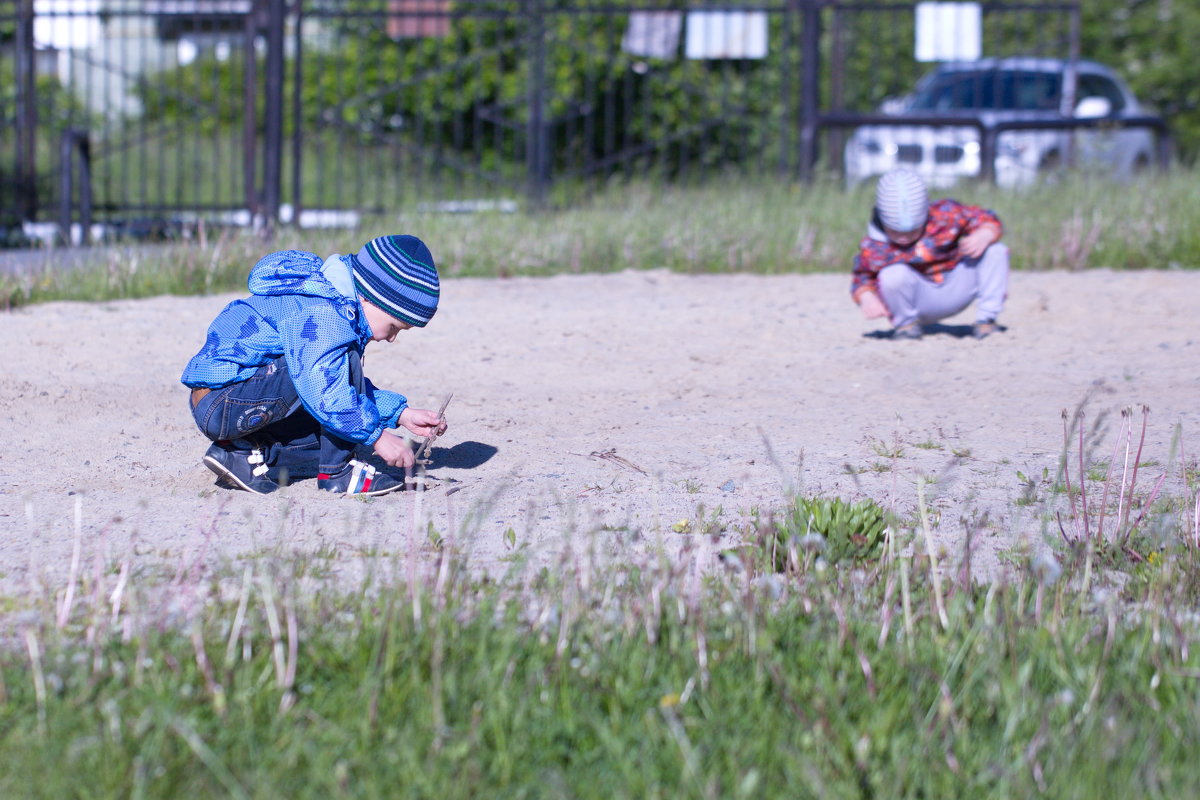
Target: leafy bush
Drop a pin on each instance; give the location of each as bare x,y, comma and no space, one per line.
469,90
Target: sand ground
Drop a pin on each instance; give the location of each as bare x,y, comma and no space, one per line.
600,409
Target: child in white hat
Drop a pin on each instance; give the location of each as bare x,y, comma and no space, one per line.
921,262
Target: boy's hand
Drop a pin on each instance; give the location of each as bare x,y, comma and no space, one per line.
394,451
872,307
423,422
974,243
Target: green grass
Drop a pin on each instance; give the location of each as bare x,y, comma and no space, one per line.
728,225
893,677
627,683
885,673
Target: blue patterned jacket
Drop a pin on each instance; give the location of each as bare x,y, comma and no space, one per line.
295,311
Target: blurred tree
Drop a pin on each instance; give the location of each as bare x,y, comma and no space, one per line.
1150,43
468,90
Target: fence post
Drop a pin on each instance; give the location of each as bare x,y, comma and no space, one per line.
810,55
789,121
273,113
26,172
254,23
536,146
988,137
75,140
65,145
297,138
836,140
1071,85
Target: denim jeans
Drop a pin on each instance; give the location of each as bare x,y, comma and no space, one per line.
266,412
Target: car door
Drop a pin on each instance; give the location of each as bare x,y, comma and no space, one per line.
1104,149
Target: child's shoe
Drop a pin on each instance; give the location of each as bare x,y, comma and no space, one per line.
358,479
240,468
910,331
984,329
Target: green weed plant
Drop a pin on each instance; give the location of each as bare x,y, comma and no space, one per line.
834,529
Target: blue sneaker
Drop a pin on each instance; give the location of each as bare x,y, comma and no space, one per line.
358,479
240,467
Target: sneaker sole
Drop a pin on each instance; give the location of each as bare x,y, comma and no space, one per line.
227,476
375,493
379,492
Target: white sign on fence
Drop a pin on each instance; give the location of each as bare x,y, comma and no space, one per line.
726,34
66,24
949,31
653,34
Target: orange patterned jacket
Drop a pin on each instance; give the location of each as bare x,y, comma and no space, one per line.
933,255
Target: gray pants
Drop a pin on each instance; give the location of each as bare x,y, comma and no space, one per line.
912,297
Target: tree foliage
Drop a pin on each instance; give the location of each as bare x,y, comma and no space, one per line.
1150,42
469,91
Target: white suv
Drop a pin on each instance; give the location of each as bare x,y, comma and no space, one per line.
1021,90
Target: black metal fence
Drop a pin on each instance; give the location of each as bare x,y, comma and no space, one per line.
146,115
477,103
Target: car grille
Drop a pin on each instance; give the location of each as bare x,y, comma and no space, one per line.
942,154
947,154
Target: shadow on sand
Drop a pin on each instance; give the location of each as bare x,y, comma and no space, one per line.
934,329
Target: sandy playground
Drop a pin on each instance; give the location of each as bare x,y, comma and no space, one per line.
617,412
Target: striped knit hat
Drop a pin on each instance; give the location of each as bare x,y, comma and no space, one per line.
901,200
397,274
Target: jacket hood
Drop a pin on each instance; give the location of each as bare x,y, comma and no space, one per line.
292,272
875,228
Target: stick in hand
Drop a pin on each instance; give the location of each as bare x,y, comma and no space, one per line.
423,450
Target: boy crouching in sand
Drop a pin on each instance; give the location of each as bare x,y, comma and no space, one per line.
279,386
921,262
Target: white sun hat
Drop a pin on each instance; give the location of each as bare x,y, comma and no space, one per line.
902,200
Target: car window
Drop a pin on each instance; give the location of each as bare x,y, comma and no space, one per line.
1006,90
1100,86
